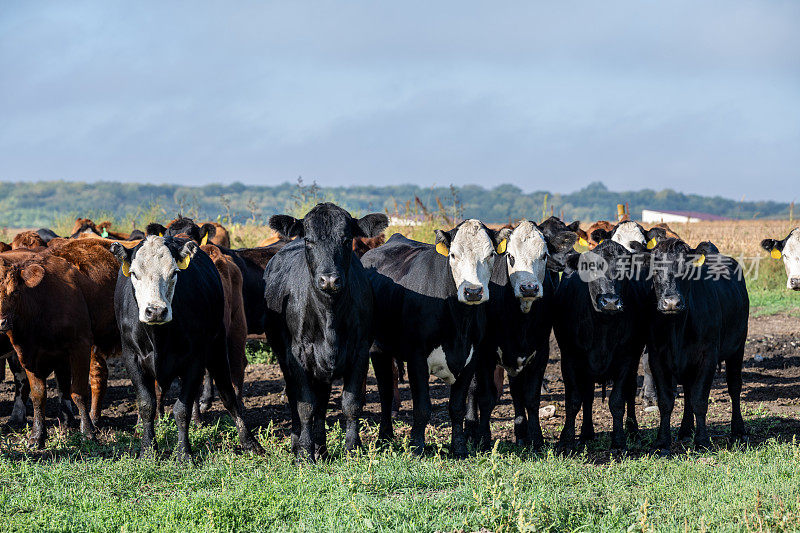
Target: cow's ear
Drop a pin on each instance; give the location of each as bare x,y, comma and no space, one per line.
655,236
136,235
500,239
286,226
32,274
207,231
599,235
123,255
640,248
186,253
561,242
443,242
154,228
370,226
574,226
774,247
706,248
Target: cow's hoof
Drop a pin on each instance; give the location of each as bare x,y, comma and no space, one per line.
742,438
565,448
37,443
702,444
205,407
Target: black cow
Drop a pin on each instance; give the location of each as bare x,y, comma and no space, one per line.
600,335
696,319
319,319
169,307
428,313
519,323
46,234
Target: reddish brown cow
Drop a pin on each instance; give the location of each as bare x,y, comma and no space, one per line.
43,311
600,224
29,240
84,227
4,247
362,245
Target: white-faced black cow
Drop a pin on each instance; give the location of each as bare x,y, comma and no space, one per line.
169,307
599,331
319,319
427,313
696,319
789,250
626,233
518,329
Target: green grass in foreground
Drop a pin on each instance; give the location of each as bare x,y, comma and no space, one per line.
82,486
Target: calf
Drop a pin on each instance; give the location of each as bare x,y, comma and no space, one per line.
43,311
29,240
696,319
210,232
599,332
319,319
518,329
428,312
789,250
170,308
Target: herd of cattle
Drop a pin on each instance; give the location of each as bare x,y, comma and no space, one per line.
330,296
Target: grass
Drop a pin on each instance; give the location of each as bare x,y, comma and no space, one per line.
78,485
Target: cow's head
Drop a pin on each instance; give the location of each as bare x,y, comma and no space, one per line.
153,267
671,271
185,226
789,250
604,270
628,232
529,252
328,232
471,249
14,279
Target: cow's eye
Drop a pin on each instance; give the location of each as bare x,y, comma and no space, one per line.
453,257
134,276
511,260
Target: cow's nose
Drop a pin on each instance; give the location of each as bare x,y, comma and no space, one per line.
155,313
794,283
529,291
671,303
5,323
610,303
473,294
329,282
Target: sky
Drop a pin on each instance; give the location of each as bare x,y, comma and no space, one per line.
698,96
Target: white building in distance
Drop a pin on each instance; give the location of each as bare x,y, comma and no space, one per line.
651,216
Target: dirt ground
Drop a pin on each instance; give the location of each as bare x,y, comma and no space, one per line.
770,398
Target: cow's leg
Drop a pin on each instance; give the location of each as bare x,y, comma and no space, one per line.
190,388
381,364
629,392
395,387
648,385
65,415
39,398
160,392
22,392
458,408
572,404
481,402
98,378
517,390
207,394
532,377
616,404
733,375
322,395
79,363
305,412
699,397
145,387
687,421
220,371
663,380
586,388
421,397
471,416
353,401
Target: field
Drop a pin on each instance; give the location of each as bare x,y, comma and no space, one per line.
80,485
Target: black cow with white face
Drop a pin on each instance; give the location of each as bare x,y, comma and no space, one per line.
599,331
518,328
184,226
789,250
319,319
169,307
429,312
696,319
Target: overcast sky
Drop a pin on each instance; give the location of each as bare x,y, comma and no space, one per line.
698,96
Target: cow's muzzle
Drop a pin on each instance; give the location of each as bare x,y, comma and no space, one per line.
609,303
473,293
529,290
671,304
794,283
330,283
154,314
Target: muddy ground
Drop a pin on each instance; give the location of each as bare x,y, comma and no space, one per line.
770,398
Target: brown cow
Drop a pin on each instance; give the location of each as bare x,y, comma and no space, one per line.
43,311
600,224
84,227
29,240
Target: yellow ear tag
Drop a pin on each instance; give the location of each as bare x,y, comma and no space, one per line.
700,260
651,243
601,241
775,253
126,269
501,248
160,234
204,240
583,242
442,249
183,264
